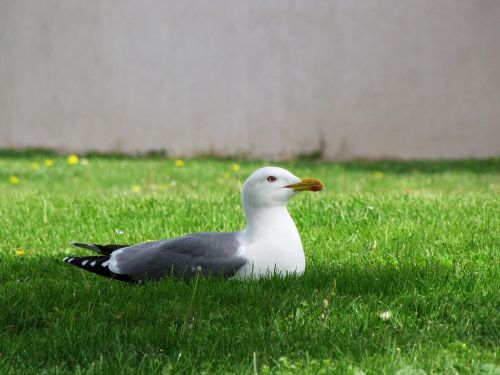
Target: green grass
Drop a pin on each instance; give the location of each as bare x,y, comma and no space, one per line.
418,239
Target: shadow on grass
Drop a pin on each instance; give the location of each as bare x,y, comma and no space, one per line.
427,167
490,165
46,153
346,279
207,318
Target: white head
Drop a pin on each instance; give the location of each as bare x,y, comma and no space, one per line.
273,187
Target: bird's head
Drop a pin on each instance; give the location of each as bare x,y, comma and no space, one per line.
273,187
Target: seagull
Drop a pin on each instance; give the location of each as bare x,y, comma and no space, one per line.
269,245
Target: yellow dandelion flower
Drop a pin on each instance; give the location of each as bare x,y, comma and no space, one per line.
235,167
179,163
35,166
73,159
48,162
378,174
14,180
136,188
227,175
20,252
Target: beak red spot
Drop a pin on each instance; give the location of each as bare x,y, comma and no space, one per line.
315,188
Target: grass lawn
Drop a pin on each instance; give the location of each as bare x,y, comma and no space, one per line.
417,241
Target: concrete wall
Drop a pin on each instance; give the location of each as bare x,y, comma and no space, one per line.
267,79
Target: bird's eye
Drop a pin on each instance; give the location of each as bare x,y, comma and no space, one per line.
271,179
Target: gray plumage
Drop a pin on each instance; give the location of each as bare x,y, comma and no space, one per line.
207,254
204,253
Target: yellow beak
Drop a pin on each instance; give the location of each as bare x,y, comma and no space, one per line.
307,184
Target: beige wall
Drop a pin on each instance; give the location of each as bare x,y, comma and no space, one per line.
367,79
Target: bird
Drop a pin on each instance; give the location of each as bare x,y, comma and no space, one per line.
270,243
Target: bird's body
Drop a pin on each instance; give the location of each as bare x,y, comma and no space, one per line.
270,243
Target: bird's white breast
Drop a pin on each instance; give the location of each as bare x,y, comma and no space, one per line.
272,247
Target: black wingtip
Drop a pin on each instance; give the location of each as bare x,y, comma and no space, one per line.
103,249
88,246
97,265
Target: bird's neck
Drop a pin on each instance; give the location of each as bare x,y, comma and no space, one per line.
265,222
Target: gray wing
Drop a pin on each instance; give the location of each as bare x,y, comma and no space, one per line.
200,253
